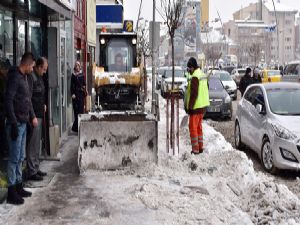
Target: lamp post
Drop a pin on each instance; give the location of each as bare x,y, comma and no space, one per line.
153,61
277,29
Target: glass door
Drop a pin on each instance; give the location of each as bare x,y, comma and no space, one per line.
63,81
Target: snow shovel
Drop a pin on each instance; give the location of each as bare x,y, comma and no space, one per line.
184,121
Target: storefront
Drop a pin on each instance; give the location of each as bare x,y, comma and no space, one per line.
61,54
44,27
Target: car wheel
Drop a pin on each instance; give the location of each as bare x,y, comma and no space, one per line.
267,156
237,136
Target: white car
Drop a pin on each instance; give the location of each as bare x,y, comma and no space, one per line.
237,74
159,72
228,82
268,121
180,81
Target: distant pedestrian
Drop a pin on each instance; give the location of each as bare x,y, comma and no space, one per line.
246,80
281,70
256,76
19,111
197,99
38,99
78,92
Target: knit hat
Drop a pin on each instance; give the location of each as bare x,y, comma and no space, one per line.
192,63
248,70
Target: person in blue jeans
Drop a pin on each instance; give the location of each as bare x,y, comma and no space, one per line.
19,112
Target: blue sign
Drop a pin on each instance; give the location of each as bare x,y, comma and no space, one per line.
109,14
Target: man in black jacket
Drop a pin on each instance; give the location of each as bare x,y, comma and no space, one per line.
37,89
19,111
246,80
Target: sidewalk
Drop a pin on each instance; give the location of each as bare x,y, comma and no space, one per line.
217,187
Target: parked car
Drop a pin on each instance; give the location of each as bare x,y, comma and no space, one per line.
180,81
291,72
220,101
149,71
228,83
268,121
229,69
271,76
237,74
160,71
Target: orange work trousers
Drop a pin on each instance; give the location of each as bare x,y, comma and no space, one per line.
196,134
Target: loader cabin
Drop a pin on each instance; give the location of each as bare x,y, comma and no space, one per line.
118,52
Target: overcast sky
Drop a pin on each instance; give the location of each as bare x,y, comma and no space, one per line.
225,8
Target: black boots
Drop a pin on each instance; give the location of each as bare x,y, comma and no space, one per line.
16,193
13,197
23,193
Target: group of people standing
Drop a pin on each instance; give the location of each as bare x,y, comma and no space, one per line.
247,79
23,111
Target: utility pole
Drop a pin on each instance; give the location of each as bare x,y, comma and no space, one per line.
153,61
277,29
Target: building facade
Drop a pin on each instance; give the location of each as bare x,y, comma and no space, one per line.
280,48
44,27
204,14
252,39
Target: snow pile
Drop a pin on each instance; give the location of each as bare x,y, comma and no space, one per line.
273,204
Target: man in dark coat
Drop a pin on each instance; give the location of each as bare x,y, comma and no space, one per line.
19,112
246,80
37,89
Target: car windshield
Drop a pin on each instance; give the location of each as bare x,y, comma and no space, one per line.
160,70
284,101
241,72
119,56
215,84
224,76
178,73
273,73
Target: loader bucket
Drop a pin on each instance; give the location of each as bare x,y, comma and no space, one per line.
113,140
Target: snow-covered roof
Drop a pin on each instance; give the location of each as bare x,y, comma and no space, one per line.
279,7
214,36
252,25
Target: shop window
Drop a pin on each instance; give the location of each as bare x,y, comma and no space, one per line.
35,38
6,37
20,40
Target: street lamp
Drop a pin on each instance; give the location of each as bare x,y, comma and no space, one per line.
277,29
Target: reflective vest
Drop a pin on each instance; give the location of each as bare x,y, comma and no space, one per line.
202,100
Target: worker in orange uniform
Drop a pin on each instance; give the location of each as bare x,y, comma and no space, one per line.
196,101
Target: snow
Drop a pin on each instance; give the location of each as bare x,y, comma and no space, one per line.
279,7
219,186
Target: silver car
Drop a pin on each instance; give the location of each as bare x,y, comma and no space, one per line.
268,121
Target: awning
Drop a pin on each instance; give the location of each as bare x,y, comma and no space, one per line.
57,8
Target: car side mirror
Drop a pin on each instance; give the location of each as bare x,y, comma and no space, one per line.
259,108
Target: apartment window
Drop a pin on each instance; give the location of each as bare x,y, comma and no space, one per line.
288,47
288,22
288,39
79,9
